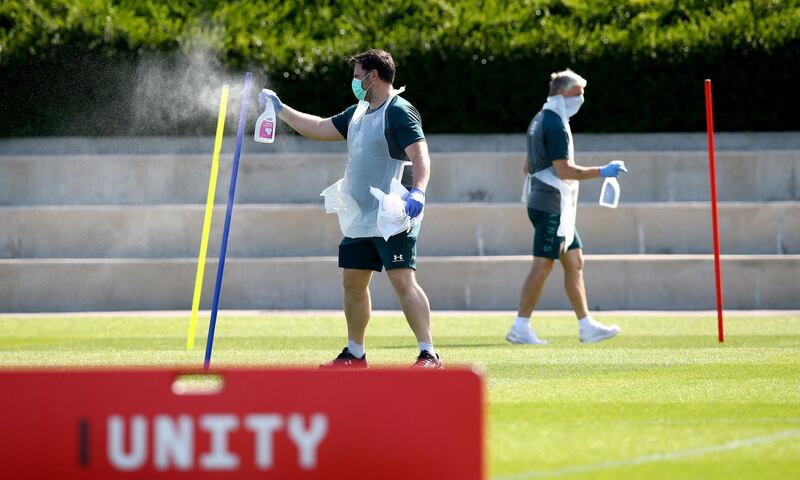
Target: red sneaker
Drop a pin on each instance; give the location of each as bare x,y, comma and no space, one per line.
426,360
346,360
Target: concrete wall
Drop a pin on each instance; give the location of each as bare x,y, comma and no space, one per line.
114,224
456,177
290,143
673,282
157,231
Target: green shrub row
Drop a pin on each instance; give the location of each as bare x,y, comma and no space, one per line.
470,65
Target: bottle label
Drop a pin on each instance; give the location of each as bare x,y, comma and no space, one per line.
266,129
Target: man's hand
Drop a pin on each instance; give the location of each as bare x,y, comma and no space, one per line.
415,202
613,169
273,97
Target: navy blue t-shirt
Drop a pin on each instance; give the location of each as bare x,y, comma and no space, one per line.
548,140
403,128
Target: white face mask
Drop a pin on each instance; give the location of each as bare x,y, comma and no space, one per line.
573,104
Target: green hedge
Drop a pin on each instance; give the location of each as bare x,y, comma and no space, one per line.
67,66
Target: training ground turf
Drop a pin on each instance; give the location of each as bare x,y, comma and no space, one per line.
663,400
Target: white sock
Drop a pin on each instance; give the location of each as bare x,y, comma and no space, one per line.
355,348
522,322
585,321
428,347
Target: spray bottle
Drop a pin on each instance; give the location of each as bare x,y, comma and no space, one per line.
609,193
265,125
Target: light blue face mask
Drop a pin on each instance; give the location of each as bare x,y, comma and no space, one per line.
573,104
358,90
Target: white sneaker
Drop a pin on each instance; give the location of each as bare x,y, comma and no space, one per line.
524,335
594,331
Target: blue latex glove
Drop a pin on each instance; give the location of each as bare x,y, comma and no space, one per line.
269,94
415,202
613,169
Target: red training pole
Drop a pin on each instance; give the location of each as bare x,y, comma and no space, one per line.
713,176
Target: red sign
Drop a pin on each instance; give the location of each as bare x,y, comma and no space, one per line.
265,423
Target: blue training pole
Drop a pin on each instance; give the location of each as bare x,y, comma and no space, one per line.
228,214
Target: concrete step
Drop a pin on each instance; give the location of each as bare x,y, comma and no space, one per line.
456,177
449,229
614,282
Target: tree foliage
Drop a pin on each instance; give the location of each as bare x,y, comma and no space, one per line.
470,65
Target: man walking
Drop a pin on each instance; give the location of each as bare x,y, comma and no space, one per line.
383,132
553,179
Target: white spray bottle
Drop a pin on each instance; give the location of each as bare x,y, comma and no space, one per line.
265,125
609,193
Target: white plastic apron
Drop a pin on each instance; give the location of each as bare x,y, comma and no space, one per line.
569,202
338,201
369,164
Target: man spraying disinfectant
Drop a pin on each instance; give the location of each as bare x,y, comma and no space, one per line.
383,133
553,180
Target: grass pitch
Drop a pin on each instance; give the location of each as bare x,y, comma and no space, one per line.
663,400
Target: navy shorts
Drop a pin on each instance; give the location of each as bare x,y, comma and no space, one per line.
545,241
375,253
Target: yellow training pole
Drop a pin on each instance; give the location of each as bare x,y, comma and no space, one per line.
212,187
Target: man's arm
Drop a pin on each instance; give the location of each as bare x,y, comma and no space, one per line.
566,169
311,126
417,153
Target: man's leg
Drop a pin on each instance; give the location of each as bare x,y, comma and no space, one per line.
357,302
572,261
546,245
589,330
357,259
399,257
533,285
413,301
522,332
417,310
